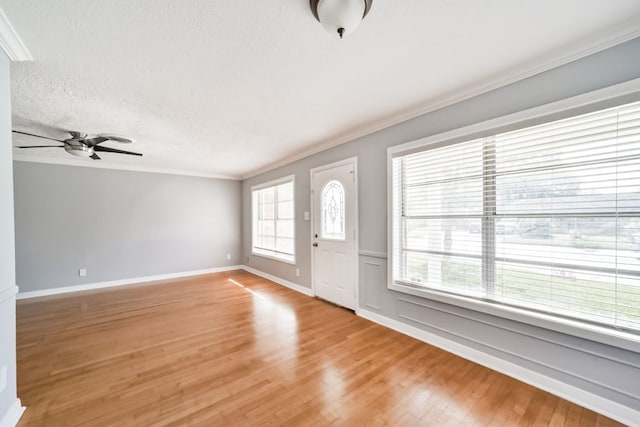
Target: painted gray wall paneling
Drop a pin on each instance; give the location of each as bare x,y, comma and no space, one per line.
538,349
596,368
7,249
119,224
373,278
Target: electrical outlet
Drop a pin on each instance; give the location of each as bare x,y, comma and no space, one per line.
82,272
298,272
3,378
247,259
228,256
306,216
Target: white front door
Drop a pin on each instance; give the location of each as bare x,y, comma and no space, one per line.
334,216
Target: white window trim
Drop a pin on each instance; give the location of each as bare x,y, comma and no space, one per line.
273,183
614,95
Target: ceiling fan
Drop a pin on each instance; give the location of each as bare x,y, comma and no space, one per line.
80,145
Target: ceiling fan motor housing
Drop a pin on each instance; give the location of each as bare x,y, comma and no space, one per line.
79,150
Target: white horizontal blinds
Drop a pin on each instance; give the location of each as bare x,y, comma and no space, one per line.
441,216
568,217
397,254
274,222
545,218
285,220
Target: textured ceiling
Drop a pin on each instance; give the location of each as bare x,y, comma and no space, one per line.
219,87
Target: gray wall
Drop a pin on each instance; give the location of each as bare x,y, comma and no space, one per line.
119,224
597,368
7,254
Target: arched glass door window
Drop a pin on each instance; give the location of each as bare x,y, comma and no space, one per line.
333,218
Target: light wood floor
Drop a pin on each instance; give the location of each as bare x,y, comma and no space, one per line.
210,351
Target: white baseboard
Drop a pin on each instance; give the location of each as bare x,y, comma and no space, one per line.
616,411
299,288
123,282
12,416
624,414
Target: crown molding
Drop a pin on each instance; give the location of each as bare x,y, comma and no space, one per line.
11,42
524,72
114,166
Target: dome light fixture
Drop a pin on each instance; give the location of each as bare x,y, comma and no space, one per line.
340,16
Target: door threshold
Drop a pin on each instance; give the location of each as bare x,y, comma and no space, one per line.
335,305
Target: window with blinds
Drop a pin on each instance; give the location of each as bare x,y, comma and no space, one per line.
274,220
545,218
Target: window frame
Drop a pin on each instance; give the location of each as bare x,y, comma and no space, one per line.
254,217
593,101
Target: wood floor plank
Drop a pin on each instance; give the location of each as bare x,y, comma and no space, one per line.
234,349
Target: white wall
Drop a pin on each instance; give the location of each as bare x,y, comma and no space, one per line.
9,403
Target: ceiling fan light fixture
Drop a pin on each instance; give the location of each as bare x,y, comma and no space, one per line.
340,17
79,150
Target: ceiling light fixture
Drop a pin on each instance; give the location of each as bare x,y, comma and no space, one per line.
340,16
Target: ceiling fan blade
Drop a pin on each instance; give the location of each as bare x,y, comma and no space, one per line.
37,136
113,150
92,142
116,138
40,146
94,156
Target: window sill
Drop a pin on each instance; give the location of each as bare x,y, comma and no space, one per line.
286,260
600,334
